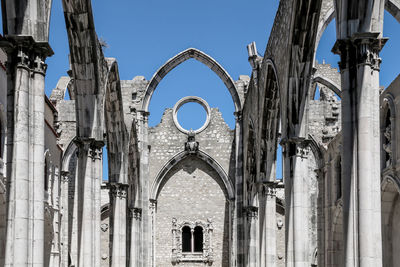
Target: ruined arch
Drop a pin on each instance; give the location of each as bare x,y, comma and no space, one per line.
162,174
64,84
72,148
328,83
270,122
115,127
179,59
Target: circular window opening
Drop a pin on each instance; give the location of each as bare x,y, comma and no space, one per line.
194,114
191,116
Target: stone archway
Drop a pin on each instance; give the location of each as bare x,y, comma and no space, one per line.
192,190
179,59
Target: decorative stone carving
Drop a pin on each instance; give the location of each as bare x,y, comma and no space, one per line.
387,146
136,213
207,256
251,212
192,146
104,227
118,190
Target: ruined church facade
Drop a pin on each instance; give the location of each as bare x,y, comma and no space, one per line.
204,197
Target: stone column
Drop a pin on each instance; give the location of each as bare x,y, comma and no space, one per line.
89,190
64,219
118,226
359,68
55,246
238,254
134,257
268,227
153,209
252,223
25,155
296,208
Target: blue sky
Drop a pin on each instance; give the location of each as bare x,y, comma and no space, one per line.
143,35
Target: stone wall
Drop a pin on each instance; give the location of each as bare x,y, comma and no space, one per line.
193,190
192,194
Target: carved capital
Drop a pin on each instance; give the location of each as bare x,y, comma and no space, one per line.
64,176
90,147
270,188
136,213
296,146
118,190
360,49
251,212
153,204
238,116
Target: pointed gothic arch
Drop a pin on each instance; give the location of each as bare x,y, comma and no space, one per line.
179,59
162,176
328,83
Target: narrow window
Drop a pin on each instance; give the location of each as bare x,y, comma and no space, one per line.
46,176
198,239
338,178
186,239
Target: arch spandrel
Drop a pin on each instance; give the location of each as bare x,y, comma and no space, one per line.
179,59
162,176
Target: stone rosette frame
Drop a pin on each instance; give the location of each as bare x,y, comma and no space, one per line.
191,99
207,256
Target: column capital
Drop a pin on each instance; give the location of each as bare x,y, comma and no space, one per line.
251,212
29,54
297,146
118,190
360,49
269,188
238,116
93,147
136,213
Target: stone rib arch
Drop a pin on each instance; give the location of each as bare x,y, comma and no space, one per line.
270,122
162,174
115,127
67,156
64,83
328,83
202,58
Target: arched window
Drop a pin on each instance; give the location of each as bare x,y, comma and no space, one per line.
198,239
186,239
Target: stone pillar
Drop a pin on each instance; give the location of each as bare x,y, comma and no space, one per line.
64,219
153,209
238,254
134,257
118,226
25,155
268,226
252,223
89,201
296,197
146,234
55,245
359,68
